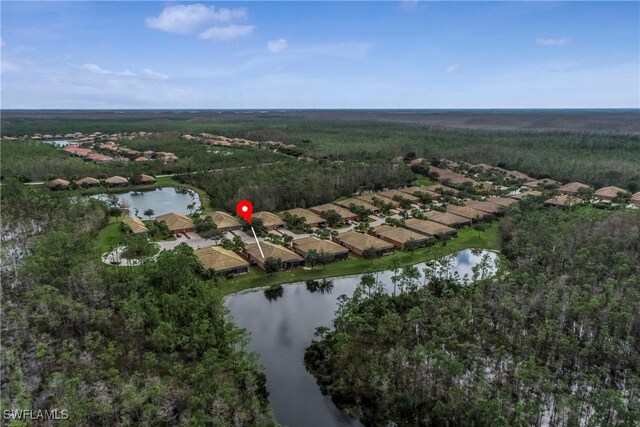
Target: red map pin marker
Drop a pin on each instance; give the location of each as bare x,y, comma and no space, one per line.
244,208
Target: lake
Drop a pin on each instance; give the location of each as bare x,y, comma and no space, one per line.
282,329
162,200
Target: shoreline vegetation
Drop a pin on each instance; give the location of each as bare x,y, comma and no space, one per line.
468,238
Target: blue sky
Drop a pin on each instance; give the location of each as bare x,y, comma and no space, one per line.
320,54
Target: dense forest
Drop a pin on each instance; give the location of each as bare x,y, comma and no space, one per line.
114,346
594,158
553,341
297,183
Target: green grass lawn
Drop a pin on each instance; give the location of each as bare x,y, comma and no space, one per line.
109,236
467,238
422,180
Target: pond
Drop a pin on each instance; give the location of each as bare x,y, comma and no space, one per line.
282,329
162,200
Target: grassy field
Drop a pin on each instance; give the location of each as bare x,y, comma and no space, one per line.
468,238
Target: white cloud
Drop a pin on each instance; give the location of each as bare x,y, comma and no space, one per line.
276,46
562,41
126,73
452,68
154,74
7,66
226,33
192,18
94,68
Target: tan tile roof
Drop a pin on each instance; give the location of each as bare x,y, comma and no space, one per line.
564,200
483,206
448,175
466,211
635,198
344,213
357,202
271,250
415,189
392,193
221,219
175,221
541,182
429,227
572,187
501,201
320,245
610,192
268,219
363,241
368,198
147,178
398,234
135,224
447,218
219,259
310,217
532,193
116,180
88,180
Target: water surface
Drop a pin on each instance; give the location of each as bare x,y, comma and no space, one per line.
162,200
282,329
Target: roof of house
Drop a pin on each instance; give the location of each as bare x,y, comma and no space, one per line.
564,200
310,217
520,196
147,178
466,211
135,224
448,175
219,259
347,202
116,180
271,250
88,180
175,221
572,187
610,191
447,218
635,198
519,175
415,189
59,182
501,201
363,241
392,193
268,219
483,206
141,159
368,198
398,234
344,213
435,187
320,245
221,219
542,182
429,227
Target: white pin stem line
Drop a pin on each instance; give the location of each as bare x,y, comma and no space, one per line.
257,241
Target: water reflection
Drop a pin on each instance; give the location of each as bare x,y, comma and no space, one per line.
161,200
282,328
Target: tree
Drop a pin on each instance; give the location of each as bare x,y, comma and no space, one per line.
411,245
149,213
312,258
271,264
333,218
362,227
